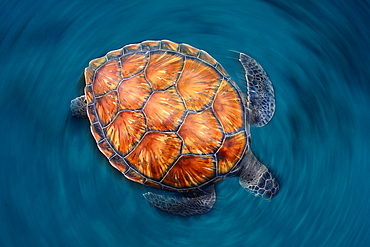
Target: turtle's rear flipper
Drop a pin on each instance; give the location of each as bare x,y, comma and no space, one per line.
256,178
261,95
183,206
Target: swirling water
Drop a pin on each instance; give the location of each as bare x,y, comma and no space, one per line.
57,189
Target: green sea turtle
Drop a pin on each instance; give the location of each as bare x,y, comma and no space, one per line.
169,116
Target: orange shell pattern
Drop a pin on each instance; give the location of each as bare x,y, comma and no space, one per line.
166,115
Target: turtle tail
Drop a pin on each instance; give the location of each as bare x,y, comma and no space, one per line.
78,107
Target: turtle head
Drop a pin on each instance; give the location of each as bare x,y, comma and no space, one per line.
257,179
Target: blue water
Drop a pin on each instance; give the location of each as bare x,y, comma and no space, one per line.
57,189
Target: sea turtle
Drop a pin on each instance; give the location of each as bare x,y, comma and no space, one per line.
169,116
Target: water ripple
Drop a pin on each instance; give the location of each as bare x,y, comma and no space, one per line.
57,189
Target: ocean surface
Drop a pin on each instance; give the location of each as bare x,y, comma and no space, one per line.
57,189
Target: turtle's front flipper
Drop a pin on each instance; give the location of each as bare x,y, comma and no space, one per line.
256,178
183,206
261,95
78,107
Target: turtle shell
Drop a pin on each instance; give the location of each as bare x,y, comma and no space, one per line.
166,115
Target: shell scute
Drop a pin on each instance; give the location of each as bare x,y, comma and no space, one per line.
164,110
126,130
163,69
133,64
206,57
106,107
91,114
228,108
89,94
134,176
106,149
188,50
119,163
114,54
134,92
94,64
198,84
201,132
190,171
230,152
107,77
97,132
131,48
88,75
169,45
150,45
155,153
